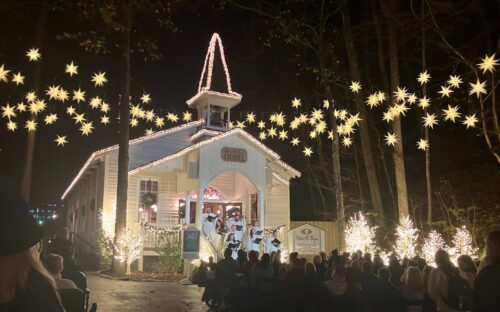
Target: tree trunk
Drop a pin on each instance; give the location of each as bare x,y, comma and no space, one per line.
366,145
37,74
390,9
428,180
123,138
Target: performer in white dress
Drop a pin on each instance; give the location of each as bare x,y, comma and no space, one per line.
273,243
240,224
233,244
217,235
254,238
209,222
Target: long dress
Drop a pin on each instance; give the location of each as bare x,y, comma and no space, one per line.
240,228
210,219
234,253
270,246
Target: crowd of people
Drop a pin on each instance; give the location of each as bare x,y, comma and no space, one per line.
353,282
30,281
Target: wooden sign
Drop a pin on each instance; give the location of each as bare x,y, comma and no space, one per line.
307,240
234,154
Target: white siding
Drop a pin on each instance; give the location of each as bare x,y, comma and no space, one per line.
278,205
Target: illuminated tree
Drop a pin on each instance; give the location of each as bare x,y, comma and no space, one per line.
128,248
462,244
433,242
359,235
406,238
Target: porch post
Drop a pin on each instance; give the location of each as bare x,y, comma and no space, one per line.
262,200
187,209
199,207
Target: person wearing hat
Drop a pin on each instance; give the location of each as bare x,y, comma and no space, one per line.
25,284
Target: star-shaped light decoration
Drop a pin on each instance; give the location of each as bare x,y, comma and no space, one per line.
148,131
272,117
134,122
429,120
280,119
70,110
87,128
30,96
312,121
53,92
63,95
146,98
295,123
470,121
478,88
313,134
21,107
401,94
346,141
307,151
326,104
295,141
104,120
172,117
320,127
50,119
400,109
8,111
99,79
230,125
95,102
159,122
423,78
412,99
423,144
79,96
424,102
341,129
187,117
488,63
79,118
330,135
11,126
271,132
262,135
135,110
104,107
4,74
303,118
317,114
71,69
240,124
343,114
381,96
61,140
388,116
296,103
150,115
355,86
18,79
445,91
33,55
37,106
372,100
454,81
391,139
250,118
451,113
283,135
261,125
30,125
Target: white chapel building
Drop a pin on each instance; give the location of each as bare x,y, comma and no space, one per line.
177,175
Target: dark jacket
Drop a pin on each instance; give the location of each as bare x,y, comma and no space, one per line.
39,295
486,292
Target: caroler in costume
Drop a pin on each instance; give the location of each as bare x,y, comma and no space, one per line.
254,238
240,224
217,235
273,243
209,222
232,244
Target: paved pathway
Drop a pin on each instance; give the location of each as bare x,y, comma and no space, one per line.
112,295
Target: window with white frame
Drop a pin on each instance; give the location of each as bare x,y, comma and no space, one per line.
148,201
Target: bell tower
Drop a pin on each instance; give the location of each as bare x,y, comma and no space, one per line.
212,106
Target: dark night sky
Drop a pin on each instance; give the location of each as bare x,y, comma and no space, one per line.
264,76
